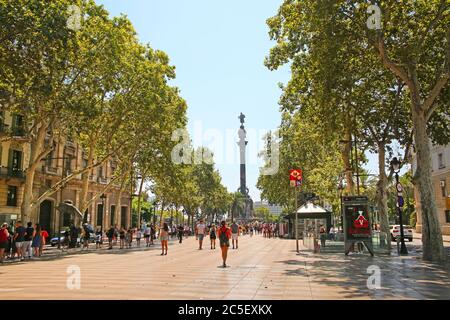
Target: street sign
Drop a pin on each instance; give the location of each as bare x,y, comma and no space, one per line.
401,202
296,177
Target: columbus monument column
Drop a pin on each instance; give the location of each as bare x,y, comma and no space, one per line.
243,186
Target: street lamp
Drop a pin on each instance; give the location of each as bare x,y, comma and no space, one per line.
395,164
103,197
341,188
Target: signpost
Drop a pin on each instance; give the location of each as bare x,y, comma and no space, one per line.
296,180
357,226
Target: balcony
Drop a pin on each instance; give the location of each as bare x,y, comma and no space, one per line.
70,144
50,170
18,132
102,180
14,132
11,173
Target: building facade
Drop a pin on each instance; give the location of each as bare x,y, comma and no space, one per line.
440,156
275,210
66,158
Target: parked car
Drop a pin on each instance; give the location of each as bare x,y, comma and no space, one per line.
54,241
395,232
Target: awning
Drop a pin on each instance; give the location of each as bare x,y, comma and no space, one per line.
312,211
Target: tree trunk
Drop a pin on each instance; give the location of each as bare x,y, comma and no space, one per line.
433,248
345,154
141,186
36,155
161,216
85,179
119,202
382,196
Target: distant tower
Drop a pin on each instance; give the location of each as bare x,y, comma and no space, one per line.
242,147
243,187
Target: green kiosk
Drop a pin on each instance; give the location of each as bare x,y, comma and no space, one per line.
357,226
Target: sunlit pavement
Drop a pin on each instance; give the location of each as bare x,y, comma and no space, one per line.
261,269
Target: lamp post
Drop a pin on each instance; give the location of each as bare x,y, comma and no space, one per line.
395,163
103,197
341,190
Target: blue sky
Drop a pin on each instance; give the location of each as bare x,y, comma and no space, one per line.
218,48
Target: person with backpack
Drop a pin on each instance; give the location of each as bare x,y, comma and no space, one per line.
110,234
224,234
235,233
4,239
213,236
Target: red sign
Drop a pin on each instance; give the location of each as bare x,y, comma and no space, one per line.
296,177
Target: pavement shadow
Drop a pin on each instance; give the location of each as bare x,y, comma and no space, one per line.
58,254
401,278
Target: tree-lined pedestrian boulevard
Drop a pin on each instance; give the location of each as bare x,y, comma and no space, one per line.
125,174
261,269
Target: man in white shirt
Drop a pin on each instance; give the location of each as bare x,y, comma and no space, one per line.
200,231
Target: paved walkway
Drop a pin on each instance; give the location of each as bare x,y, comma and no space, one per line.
260,269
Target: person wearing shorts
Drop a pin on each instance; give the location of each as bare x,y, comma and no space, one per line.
235,234
19,238
224,234
200,231
4,240
147,233
27,241
213,236
164,237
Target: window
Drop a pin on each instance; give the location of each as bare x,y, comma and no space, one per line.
100,172
14,163
49,160
447,216
441,162
68,164
443,188
100,215
12,196
17,125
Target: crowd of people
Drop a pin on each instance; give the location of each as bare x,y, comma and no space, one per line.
29,242
23,243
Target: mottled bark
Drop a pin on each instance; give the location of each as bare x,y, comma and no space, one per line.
37,153
85,179
433,248
345,154
382,194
